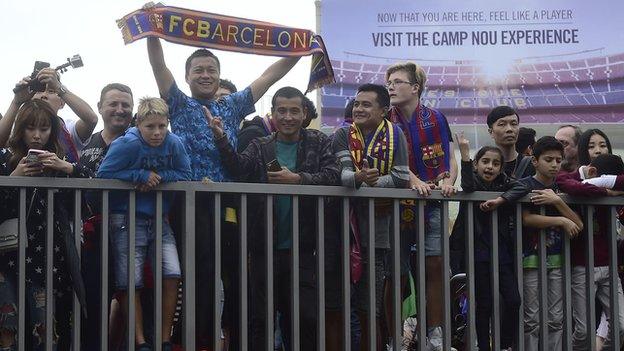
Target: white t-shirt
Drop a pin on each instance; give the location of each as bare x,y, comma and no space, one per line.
79,143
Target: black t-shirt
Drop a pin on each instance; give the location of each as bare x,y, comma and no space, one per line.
93,154
91,158
511,166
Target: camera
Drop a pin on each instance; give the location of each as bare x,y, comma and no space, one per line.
36,86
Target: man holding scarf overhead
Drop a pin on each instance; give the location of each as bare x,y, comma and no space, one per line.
189,123
372,152
432,165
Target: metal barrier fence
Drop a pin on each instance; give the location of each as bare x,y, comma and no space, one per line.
188,259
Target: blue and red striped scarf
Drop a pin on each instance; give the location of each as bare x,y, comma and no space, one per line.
428,142
71,152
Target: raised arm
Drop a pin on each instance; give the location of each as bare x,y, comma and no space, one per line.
6,123
164,78
87,117
272,74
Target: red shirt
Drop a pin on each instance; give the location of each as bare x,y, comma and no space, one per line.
571,184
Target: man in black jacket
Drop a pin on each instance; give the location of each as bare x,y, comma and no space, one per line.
292,155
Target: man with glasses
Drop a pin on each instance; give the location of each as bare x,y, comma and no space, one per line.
432,166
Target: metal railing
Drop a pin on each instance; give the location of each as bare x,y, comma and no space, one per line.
188,260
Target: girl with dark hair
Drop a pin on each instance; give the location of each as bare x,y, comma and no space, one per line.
592,143
486,174
36,127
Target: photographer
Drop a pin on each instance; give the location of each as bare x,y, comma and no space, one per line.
74,134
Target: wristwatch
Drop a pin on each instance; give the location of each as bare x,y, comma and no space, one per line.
62,90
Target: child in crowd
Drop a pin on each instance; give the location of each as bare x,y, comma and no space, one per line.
559,220
592,144
605,171
485,174
146,156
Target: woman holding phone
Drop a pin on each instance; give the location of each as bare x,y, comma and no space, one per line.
34,151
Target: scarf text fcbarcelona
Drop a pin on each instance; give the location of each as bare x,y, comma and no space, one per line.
227,33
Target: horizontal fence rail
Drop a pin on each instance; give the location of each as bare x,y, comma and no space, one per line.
458,295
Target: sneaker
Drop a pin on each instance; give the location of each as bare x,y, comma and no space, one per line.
167,346
144,347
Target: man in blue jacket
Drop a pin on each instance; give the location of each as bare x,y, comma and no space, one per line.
146,156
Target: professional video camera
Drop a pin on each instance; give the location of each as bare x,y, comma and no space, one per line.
36,86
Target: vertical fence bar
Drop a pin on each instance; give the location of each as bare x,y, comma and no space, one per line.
543,287
270,318
189,270
470,276
76,304
21,259
372,306
396,276
131,263
216,317
421,276
346,276
242,320
614,321
446,275
519,342
104,301
567,294
295,275
495,325
320,275
157,271
49,250
589,281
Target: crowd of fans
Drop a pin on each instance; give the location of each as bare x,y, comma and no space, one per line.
389,139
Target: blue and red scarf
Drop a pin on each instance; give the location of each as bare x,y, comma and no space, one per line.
71,152
428,142
209,30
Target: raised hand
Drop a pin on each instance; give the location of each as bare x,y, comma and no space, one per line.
215,123
464,146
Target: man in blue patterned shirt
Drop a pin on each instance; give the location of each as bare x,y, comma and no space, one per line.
188,121
187,117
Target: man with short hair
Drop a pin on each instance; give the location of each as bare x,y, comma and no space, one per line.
432,165
115,107
226,87
373,153
188,121
305,157
503,125
569,135
74,135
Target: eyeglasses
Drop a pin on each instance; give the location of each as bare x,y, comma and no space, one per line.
397,82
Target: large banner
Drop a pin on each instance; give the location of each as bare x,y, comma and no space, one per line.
560,61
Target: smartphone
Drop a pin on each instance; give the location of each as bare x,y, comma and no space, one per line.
273,166
32,156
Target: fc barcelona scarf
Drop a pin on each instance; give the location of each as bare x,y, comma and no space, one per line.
379,151
428,141
208,30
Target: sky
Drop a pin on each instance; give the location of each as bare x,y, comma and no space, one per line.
52,31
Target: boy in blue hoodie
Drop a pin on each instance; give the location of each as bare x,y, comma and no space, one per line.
146,156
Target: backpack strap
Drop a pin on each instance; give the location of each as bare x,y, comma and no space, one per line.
524,163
